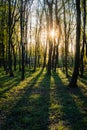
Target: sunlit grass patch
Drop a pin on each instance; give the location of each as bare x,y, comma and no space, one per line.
42,102
60,126
63,78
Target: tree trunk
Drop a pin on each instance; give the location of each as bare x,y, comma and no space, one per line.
35,60
44,63
4,57
50,40
53,57
22,44
57,56
66,43
19,58
84,38
9,46
73,82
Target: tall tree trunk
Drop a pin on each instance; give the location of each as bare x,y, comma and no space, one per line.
22,44
35,58
14,55
53,56
2,34
44,63
10,40
4,56
84,38
57,56
19,58
50,39
73,82
30,50
14,60
66,43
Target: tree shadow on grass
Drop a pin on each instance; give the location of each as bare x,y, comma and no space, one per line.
84,80
7,83
39,114
13,99
70,115
31,112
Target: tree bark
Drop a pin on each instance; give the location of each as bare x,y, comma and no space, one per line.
44,63
22,44
84,37
50,5
10,40
73,82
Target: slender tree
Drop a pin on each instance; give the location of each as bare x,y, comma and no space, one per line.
84,37
10,40
50,7
73,82
22,44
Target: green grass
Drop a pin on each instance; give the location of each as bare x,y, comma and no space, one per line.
42,102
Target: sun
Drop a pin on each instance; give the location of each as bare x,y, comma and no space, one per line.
52,33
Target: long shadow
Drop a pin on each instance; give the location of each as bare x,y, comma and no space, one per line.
83,80
43,107
69,112
24,113
8,83
5,79
17,76
39,114
81,90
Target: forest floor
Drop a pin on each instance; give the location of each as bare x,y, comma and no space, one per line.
42,102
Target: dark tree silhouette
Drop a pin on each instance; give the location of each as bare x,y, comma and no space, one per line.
73,82
10,40
84,37
50,6
22,44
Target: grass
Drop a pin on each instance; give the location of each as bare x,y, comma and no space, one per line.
42,102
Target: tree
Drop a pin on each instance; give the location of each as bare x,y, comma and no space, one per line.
22,44
84,37
10,40
73,82
50,7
